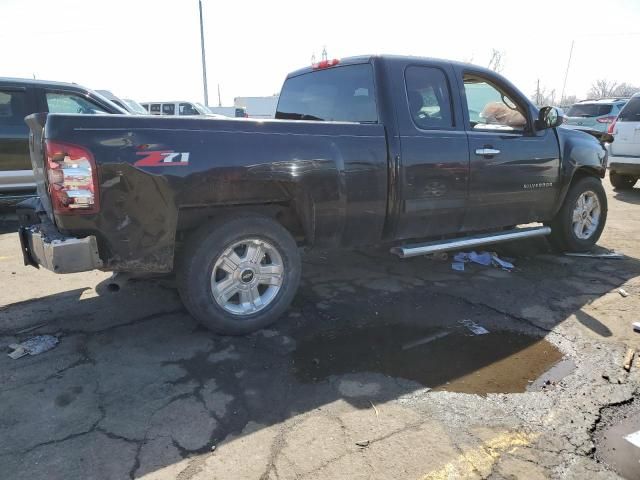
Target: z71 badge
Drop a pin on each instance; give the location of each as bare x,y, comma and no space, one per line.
162,158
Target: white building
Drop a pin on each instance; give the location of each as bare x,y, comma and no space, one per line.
258,107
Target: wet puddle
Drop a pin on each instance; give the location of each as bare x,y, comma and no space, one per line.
452,359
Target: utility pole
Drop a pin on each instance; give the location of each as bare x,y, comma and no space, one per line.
566,74
219,100
204,63
538,94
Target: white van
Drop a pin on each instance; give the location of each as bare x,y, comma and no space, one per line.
181,108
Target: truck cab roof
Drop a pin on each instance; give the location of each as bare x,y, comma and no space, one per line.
355,60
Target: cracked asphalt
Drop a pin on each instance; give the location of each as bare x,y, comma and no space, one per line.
136,389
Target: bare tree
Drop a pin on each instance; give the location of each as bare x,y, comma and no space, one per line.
542,96
496,63
601,88
568,101
625,90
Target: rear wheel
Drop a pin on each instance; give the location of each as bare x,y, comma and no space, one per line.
579,223
622,182
239,275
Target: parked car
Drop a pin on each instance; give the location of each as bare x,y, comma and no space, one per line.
21,97
127,104
624,159
180,108
595,115
366,150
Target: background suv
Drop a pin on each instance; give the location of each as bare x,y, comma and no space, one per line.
624,152
594,114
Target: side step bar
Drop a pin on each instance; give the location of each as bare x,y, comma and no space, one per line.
417,249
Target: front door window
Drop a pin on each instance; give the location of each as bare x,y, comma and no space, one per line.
490,108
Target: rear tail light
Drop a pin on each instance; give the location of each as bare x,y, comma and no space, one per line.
72,178
325,64
609,119
612,126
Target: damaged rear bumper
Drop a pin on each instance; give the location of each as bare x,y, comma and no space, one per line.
43,245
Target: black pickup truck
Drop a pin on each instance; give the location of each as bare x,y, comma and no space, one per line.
424,155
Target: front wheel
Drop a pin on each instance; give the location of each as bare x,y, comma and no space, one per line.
622,182
579,223
239,275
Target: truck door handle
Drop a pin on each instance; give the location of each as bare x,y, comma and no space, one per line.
487,152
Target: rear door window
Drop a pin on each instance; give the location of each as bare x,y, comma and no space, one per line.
13,108
339,94
428,98
72,103
631,111
589,110
168,109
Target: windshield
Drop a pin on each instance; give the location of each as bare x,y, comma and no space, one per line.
134,106
202,109
589,110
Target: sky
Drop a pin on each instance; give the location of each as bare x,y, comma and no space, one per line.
149,50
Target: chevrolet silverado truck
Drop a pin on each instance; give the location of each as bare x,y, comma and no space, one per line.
419,154
20,97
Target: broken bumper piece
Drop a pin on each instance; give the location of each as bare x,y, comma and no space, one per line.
61,254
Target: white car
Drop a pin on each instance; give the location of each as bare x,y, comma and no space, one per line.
624,152
181,108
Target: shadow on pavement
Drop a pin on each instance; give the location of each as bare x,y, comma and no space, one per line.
628,196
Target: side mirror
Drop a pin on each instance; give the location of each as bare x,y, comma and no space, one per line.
549,117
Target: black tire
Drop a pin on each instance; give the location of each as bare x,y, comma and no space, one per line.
204,248
622,182
563,236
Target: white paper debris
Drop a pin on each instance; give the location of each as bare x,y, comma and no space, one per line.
474,327
33,346
458,266
633,438
483,258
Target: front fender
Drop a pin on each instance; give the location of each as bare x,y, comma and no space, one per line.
580,152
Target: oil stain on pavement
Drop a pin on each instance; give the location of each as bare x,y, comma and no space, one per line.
452,359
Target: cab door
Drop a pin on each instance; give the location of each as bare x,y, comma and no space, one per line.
434,160
514,169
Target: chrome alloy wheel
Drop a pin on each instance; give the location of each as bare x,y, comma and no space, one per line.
586,215
247,276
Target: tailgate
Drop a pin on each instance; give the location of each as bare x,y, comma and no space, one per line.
36,124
